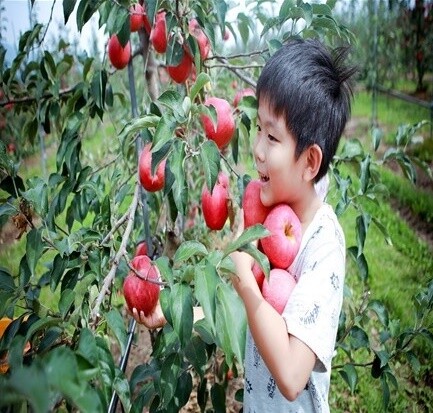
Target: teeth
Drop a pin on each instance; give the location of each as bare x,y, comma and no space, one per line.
264,178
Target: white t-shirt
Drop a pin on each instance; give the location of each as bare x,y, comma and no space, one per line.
311,314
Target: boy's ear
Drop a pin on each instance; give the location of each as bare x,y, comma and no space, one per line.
313,160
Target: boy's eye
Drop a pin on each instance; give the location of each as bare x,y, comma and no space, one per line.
272,138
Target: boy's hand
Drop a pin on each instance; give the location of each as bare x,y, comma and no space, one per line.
154,320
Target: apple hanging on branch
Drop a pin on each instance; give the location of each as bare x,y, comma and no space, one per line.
158,36
215,205
138,18
140,293
119,56
152,182
223,130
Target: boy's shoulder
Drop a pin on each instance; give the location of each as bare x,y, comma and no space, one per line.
324,228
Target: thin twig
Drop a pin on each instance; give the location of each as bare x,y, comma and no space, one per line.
116,261
142,275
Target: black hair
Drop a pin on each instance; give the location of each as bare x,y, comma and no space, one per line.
310,87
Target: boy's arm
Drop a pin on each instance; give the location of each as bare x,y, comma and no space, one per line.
288,359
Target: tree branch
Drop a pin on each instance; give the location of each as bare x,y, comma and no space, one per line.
108,281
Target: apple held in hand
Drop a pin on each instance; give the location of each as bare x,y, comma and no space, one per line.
119,56
259,275
277,289
151,182
283,244
253,209
139,293
215,204
221,132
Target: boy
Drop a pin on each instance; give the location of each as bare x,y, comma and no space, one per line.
303,105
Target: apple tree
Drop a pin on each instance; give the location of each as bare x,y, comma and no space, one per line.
80,225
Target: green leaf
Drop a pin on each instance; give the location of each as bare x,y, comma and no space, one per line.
121,387
188,249
87,347
230,322
34,248
196,354
68,8
6,281
210,156
201,81
362,224
137,124
218,397
249,235
116,324
350,376
413,361
351,150
170,372
358,338
376,135
34,390
381,311
67,298
182,312
365,174
163,134
206,280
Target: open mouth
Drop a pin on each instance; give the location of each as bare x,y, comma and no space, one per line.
263,178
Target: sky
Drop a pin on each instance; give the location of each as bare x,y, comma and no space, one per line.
15,17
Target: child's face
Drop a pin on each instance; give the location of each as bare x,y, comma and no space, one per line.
277,166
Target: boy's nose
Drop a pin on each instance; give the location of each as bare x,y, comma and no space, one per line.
257,149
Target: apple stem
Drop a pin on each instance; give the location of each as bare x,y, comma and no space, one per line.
145,277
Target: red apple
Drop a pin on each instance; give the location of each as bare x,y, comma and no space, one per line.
141,248
139,293
283,244
259,275
215,204
119,56
224,129
181,72
203,41
158,35
277,289
241,93
151,182
136,21
254,211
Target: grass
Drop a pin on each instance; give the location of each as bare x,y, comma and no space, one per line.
391,112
